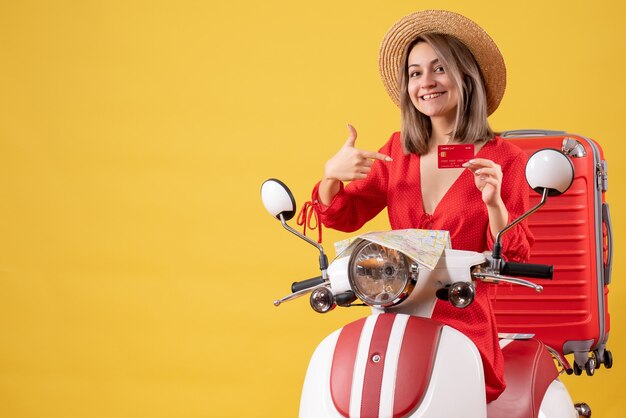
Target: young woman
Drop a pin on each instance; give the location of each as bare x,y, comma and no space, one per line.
447,75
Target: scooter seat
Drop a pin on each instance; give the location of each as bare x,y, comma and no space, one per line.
528,371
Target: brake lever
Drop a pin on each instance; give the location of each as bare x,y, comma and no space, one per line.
298,294
498,278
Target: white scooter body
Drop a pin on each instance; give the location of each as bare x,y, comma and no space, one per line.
457,372
455,386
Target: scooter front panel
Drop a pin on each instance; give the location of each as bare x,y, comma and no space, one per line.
453,382
382,365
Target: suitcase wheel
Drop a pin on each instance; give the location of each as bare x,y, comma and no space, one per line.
603,357
590,366
607,359
577,370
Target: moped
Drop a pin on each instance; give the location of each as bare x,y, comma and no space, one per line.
398,362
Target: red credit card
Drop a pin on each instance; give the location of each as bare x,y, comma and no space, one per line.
454,156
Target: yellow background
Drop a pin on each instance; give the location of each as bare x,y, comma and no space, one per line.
137,264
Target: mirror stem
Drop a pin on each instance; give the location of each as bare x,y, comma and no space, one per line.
497,245
323,259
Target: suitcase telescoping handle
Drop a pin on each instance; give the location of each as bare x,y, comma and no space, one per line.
530,132
536,271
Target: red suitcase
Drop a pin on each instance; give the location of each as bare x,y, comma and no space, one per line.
573,233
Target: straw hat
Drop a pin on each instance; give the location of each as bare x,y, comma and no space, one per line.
407,29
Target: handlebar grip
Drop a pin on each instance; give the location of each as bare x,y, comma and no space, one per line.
305,284
537,271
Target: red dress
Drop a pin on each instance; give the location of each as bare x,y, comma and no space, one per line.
396,185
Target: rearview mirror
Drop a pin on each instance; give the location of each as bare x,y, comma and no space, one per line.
277,199
549,172
549,169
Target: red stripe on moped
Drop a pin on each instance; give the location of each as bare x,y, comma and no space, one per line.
342,370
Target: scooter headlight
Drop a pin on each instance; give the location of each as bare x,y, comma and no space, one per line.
380,276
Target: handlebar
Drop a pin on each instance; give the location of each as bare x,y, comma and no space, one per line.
536,271
306,284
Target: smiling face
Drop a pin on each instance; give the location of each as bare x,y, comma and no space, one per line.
442,94
431,90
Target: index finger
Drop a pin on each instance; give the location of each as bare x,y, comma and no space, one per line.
479,162
376,156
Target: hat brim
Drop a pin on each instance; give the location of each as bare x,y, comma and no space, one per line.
410,27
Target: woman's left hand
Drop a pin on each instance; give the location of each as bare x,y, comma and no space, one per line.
488,179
